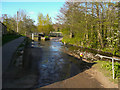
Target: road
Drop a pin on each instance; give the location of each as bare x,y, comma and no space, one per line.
55,66
8,51
47,65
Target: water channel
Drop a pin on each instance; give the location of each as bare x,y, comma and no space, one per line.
45,63
53,64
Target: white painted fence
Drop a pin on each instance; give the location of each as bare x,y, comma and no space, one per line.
112,61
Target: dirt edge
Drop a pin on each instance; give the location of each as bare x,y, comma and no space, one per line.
97,75
101,78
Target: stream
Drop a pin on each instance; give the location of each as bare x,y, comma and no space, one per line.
46,62
56,65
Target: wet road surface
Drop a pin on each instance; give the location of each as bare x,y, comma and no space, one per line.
8,50
46,63
55,65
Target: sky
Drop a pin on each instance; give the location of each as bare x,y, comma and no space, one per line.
32,8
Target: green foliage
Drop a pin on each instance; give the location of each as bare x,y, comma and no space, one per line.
9,37
44,24
107,65
46,36
10,22
25,24
91,24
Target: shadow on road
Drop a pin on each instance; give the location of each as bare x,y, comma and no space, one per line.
45,64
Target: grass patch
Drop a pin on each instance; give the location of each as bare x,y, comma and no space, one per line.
9,37
106,68
35,38
78,42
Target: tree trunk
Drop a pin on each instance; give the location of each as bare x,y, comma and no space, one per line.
98,25
119,24
86,22
92,21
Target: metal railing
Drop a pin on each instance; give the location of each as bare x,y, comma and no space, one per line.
112,62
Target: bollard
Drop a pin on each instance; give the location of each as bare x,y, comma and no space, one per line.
32,36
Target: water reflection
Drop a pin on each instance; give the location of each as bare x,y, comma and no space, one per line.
55,65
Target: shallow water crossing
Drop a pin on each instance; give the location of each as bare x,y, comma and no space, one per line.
56,65
45,63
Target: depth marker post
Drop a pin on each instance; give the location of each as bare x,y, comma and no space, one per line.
113,68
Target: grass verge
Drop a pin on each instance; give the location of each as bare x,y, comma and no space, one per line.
106,68
9,37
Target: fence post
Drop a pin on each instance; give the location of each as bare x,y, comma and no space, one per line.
113,68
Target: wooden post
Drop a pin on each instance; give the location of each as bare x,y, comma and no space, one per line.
113,68
32,36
